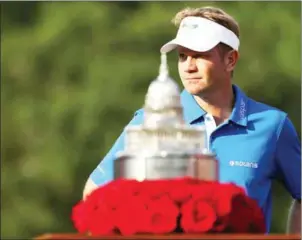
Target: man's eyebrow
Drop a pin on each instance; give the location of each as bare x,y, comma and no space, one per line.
181,50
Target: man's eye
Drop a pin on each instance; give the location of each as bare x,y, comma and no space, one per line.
182,56
197,56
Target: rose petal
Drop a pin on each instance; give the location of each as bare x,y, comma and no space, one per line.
197,217
162,215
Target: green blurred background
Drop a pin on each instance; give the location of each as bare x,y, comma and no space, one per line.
73,73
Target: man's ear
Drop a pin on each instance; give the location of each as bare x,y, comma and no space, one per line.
230,60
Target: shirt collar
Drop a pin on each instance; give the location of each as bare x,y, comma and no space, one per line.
239,113
193,112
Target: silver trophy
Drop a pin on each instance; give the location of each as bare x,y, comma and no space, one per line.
163,146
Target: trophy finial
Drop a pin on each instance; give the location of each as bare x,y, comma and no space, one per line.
163,68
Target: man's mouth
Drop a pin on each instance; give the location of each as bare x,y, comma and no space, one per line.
193,78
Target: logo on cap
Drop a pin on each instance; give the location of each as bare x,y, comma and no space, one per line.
189,25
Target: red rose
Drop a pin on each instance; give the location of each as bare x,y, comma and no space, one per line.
162,215
205,190
180,194
115,191
90,216
95,214
103,194
222,200
240,217
258,224
129,187
240,211
80,217
131,216
151,206
101,221
198,216
181,190
187,180
155,188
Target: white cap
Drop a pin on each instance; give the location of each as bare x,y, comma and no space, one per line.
201,35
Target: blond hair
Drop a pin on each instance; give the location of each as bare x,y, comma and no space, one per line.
214,14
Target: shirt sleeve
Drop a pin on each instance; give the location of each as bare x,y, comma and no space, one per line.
103,173
288,157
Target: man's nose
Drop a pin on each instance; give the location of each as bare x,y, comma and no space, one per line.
191,64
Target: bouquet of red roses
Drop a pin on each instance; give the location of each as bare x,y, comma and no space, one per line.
166,206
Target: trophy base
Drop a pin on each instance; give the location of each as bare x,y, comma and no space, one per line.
166,166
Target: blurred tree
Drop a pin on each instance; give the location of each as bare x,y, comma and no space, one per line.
19,15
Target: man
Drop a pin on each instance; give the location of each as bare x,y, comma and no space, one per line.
253,142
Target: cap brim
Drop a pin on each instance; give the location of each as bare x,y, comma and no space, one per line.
169,46
200,46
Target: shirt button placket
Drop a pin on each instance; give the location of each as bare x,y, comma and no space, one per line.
211,145
210,128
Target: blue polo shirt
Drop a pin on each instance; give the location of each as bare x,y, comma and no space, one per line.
257,144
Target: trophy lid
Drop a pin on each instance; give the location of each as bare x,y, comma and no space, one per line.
162,101
162,90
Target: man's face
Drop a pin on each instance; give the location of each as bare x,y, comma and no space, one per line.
201,72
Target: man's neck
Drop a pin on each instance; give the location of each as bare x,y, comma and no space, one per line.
219,104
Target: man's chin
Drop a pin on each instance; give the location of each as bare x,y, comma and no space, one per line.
196,91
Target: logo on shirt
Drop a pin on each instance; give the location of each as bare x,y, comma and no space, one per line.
243,164
242,111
